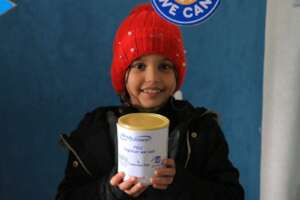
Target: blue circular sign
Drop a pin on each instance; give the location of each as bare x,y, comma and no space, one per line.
185,12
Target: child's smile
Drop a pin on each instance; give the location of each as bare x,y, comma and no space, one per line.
150,81
151,91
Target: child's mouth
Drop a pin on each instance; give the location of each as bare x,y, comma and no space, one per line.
151,91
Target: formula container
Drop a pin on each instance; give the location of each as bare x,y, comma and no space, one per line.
142,144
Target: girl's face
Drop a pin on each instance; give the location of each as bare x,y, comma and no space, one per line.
150,81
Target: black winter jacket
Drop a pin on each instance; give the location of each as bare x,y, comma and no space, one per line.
196,142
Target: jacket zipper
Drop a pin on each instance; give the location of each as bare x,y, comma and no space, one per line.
71,149
188,144
188,149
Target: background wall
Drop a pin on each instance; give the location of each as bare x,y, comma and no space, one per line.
280,177
54,66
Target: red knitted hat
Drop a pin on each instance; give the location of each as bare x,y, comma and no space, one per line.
144,32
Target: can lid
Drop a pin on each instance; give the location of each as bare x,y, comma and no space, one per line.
143,121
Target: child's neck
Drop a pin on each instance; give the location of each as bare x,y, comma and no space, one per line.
148,109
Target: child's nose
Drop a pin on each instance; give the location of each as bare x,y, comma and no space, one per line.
152,74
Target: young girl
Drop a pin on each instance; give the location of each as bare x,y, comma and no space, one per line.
148,67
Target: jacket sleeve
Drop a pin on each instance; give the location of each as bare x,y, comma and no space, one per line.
78,185
216,178
81,181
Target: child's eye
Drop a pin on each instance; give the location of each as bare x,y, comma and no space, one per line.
139,66
166,66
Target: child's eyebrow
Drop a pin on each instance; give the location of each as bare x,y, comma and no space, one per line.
137,61
167,60
144,60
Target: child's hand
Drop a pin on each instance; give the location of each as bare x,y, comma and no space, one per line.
131,186
164,176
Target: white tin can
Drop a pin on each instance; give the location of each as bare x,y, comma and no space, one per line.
142,144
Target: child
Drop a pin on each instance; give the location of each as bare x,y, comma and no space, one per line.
148,67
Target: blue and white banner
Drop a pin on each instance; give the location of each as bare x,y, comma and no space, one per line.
57,40
185,12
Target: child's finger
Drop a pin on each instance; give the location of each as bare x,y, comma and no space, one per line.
160,187
136,190
161,180
117,179
169,163
140,192
127,185
165,172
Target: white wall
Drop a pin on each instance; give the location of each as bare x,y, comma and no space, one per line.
280,166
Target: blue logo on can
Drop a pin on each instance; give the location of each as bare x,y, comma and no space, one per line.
144,138
6,5
185,12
